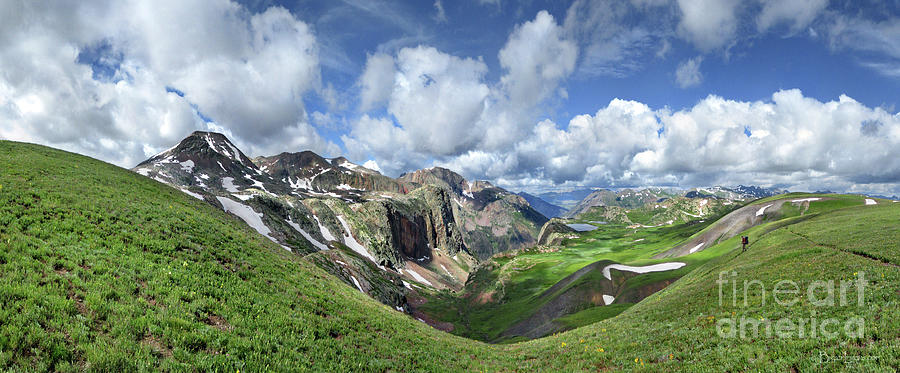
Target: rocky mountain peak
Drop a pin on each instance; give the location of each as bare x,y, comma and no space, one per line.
440,176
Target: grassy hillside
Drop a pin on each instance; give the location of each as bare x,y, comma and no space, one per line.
103,269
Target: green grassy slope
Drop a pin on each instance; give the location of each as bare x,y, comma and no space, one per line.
675,329
103,269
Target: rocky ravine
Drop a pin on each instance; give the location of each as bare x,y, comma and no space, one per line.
381,235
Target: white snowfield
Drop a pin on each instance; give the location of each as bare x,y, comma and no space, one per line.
228,184
326,234
352,166
307,236
419,277
355,282
762,210
192,194
256,183
870,201
608,299
352,243
695,248
304,184
249,216
645,269
187,166
468,193
805,200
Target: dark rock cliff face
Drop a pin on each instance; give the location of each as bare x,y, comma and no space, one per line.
445,232
428,225
408,236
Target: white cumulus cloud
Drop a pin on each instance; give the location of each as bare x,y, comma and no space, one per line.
121,80
442,106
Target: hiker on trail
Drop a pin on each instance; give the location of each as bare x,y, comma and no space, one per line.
744,242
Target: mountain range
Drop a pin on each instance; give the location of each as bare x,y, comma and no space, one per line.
384,236
105,269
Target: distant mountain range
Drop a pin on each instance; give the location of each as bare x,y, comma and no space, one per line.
565,199
663,205
548,209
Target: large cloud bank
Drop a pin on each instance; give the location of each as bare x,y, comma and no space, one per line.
121,80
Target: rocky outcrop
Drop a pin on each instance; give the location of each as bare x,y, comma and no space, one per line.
491,219
309,175
553,232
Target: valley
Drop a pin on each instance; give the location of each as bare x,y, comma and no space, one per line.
142,276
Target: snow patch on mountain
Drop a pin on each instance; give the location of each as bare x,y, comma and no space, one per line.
187,166
353,244
355,282
305,184
249,216
324,230
307,236
695,248
228,184
645,269
419,277
192,194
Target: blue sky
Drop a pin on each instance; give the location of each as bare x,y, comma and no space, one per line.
755,67
532,95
